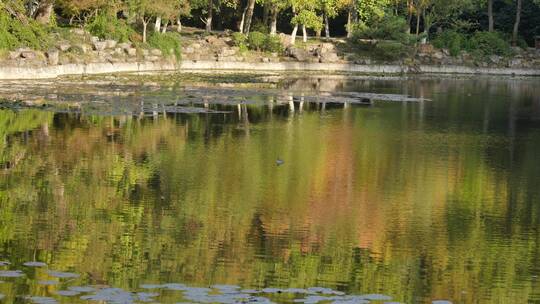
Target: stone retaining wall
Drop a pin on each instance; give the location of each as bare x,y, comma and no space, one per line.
14,72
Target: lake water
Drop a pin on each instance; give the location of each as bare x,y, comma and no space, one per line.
116,191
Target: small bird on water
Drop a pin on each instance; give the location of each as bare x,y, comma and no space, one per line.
279,161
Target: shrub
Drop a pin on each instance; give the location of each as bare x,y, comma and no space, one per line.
168,43
451,40
260,27
107,26
388,28
273,44
256,40
489,43
14,34
390,50
239,39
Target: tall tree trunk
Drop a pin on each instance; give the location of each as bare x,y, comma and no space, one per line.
409,15
210,15
249,16
273,21
44,12
145,25
418,22
293,35
516,24
304,32
178,25
352,18
326,26
164,28
491,27
157,25
243,21
266,13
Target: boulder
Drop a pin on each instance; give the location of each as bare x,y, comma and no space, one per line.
63,46
53,56
78,31
27,54
516,62
124,45
328,58
100,45
111,44
426,48
14,55
156,52
439,55
188,50
265,59
297,53
151,58
131,51
495,59
225,52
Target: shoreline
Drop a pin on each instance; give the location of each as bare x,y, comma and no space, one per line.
55,71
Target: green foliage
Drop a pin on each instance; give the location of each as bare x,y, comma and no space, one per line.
388,28
488,43
273,44
479,44
168,43
452,40
260,27
390,50
259,42
107,26
310,19
256,40
240,40
13,34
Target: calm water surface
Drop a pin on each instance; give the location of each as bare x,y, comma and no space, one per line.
411,203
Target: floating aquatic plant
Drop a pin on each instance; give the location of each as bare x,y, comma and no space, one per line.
11,273
35,264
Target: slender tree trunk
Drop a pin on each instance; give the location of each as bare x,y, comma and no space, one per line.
178,25
490,16
44,12
266,13
293,35
326,26
249,16
418,22
164,28
273,22
352,18
157,25
145,25
516,24
304,32
243,21
210,15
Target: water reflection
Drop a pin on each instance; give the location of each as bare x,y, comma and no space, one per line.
418,202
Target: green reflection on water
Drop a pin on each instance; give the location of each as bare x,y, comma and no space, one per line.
420,202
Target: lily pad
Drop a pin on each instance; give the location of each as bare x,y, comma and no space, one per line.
68,293
111,295
376,297
35,264
152,286
11,274
63,275
147,296
43,300
48,282
82,288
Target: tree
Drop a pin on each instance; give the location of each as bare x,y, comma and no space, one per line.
515,31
